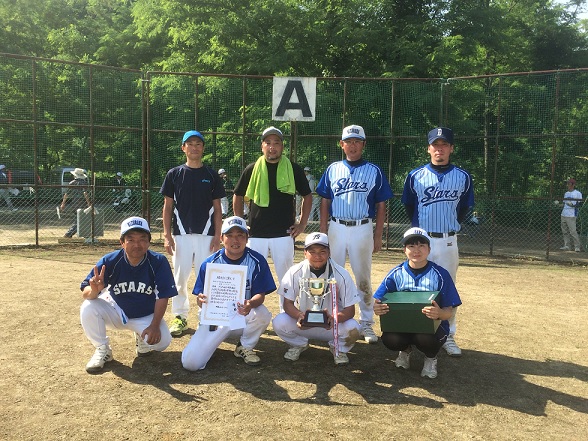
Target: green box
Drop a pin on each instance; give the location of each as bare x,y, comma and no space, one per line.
405,314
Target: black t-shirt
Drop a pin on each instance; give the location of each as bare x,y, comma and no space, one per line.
274,220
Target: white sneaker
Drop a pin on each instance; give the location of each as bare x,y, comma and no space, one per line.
368,333
247,354
565,248
403,360
451,347
340,360
102,355
430,368
294,352
141,347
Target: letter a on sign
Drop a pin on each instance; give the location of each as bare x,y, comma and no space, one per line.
294,99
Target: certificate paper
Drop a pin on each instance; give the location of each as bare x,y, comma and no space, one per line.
224,287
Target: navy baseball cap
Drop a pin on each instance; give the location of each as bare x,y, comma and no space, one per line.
414,232
441,133
134,223
234,221
191,133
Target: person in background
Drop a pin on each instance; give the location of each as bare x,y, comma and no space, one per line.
228,185
569,213
5,191
75,198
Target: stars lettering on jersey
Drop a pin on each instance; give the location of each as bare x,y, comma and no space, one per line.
139,287
346,185
434,194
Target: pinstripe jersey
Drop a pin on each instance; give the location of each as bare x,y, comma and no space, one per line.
438,197
354,189
259,277
193,190
136,288
433,278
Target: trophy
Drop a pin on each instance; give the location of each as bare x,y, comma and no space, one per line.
316,289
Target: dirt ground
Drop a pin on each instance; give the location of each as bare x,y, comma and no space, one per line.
523,374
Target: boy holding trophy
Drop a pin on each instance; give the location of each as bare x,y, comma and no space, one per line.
417,274
309,288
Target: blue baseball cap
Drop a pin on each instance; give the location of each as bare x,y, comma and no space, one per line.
234,221
441,133
191,133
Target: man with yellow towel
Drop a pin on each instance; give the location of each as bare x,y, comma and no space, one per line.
271,184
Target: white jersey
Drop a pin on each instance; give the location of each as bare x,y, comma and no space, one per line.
438,197
570,208
346,290
354,189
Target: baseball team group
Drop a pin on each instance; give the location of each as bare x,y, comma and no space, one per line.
129,288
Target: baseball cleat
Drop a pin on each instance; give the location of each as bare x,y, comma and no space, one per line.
430,368
142,348
368,334
451,347
248,355
178,326
340,360
102,355
403,360
294,352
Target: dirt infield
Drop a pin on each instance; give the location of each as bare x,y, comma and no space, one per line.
523,374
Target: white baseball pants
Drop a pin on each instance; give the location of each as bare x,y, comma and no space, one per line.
569,231
286,328
358,243
190,252
444,252
282,251
204,342
98,315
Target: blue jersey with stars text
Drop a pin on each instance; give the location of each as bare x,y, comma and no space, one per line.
136,288
438,197
259,277
433,278
354,189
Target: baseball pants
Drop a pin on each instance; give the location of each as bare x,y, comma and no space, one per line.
444,252
282,251
99,314
569,232
286,328
204,342
190,252
357,242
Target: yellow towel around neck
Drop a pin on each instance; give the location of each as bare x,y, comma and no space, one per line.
258,188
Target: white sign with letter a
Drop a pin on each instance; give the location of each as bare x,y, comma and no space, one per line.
294,99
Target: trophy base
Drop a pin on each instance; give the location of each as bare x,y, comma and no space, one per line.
316,319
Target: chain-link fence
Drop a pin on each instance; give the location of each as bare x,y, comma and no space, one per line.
520,135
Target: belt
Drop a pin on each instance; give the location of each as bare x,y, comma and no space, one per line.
351,223
451,233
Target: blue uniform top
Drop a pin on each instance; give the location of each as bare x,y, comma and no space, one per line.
259,276
354,188
433,278
193,190
136,288
438,197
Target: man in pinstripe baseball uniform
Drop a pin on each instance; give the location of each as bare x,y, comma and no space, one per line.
354,192
438,197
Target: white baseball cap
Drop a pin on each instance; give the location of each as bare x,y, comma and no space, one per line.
234,221
134,223
119,173
221,171
272,131
415,232
2,166
306,168
79,173
353,131
316,239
